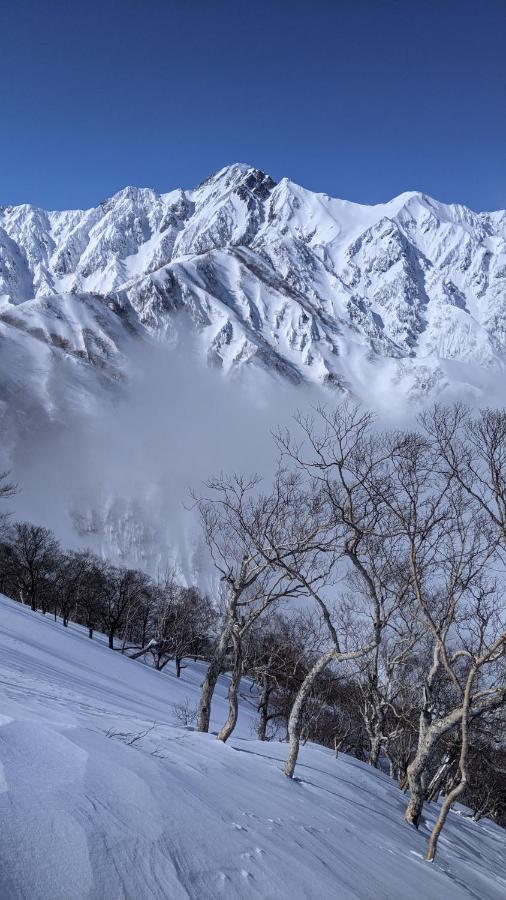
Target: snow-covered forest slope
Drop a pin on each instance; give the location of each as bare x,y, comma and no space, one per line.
404,298
87,813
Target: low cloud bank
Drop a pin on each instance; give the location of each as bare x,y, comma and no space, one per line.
118,480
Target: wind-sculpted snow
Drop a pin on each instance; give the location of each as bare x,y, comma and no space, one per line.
403,299
89,811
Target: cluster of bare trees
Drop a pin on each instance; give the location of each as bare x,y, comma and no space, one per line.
361,593
391,545
162,620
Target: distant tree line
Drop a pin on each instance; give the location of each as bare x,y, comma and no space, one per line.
361,594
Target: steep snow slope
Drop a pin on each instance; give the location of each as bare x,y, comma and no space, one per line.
180,815
405,298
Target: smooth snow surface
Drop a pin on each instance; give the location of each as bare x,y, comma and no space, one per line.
180,815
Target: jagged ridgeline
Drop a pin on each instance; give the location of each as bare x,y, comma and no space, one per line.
406,296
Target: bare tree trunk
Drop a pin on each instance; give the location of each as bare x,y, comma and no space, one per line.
217,663
295,720
213,672
461,784
374,751
427,737
233,689
414,773
441,819
263,709
416,798
393,768
207,692
262,724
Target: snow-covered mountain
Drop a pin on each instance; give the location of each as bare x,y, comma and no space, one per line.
401,299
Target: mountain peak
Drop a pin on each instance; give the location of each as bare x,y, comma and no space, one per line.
314,288
131,192
234,173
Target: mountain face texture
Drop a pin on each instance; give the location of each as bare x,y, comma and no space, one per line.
404,299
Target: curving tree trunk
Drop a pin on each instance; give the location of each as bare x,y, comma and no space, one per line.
295,720
461,784
207,693
235,680
415,772
214,671
416,797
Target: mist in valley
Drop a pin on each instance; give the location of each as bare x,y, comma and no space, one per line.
117,477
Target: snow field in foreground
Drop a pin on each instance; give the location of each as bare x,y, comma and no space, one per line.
176,814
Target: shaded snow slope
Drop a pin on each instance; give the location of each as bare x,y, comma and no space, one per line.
180,815
405,297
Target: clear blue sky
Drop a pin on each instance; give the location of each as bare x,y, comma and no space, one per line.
361,99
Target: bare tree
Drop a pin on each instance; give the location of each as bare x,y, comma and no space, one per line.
237,521
33,559
383,688
92,593
341,461
447,549
72,584
485,792
276,662
481,657
471,451
181,622
121,592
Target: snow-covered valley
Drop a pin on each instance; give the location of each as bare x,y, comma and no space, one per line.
179,814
